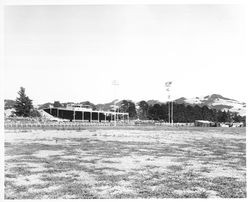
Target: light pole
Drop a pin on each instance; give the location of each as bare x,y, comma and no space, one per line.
115,83
170,103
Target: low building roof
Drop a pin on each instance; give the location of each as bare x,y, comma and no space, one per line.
203,121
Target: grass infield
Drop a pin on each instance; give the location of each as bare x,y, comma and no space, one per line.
125,163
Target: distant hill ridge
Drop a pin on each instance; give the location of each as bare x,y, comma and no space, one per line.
214,101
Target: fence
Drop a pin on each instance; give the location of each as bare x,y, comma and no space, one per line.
175,124
57,125
80,125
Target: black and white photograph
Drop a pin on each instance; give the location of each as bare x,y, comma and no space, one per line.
124,100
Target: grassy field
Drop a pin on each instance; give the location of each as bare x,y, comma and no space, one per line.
120,163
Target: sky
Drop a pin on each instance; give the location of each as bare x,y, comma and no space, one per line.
73,53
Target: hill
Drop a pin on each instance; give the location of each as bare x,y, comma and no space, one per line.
215,101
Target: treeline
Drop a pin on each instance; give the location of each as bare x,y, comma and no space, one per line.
182,113
187,113
160,112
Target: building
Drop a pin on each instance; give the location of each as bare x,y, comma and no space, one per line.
238,125
78,112
204,123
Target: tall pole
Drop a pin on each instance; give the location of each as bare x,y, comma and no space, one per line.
170,103
172,113
169,114
115,83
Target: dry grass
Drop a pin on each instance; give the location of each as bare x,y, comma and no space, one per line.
101,163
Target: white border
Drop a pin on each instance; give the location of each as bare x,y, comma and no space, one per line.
108,2
82,2
1,102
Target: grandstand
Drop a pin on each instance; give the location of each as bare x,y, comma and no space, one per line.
78,112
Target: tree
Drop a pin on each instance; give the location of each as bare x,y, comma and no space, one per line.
35,113
229,116
93,106
57,104
214,115
191,113
45,105
143,110
207,114
179,113
128,107
164,112
197,113
152,114
222,116
156,112
23,104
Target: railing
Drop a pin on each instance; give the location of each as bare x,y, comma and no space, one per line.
80,125
59,125
175,124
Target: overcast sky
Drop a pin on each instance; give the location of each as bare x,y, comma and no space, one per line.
72,53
